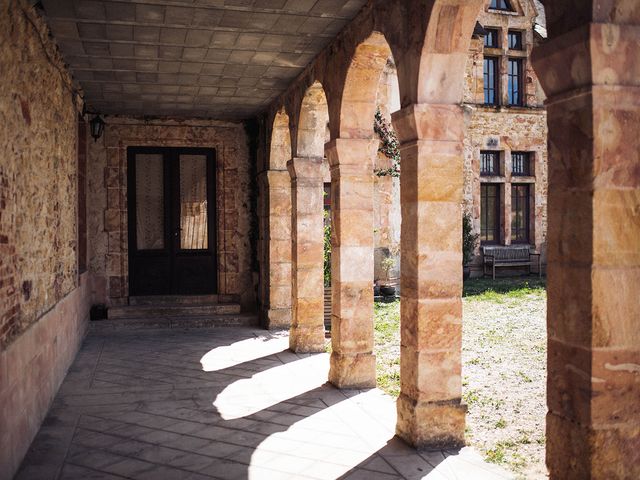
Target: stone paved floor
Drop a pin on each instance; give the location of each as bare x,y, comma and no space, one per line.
224,404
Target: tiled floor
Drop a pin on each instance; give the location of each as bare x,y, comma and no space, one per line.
227,404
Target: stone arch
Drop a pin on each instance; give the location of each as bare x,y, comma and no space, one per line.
361,87
442,62
313,122
280,151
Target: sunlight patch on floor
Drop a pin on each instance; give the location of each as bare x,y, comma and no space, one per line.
273,386
329,443
243,351
468,464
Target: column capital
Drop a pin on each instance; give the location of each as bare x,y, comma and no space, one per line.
305,168
592,55
352,151
277,178
429,121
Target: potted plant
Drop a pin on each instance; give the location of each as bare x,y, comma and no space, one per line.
386,288
469,240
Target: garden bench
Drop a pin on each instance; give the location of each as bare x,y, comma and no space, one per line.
509,256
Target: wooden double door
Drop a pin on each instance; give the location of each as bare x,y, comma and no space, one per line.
172,225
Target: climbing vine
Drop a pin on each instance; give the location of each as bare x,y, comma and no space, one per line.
389,146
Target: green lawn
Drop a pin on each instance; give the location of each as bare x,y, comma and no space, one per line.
504,368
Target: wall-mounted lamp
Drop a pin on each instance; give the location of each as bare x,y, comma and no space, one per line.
97,127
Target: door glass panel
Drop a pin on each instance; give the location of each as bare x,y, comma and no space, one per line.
193,202
149,202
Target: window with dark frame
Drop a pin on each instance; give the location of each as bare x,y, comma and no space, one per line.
491,39
500,5
520,213
489,213
515,82
489,163
491,81
520,164
515,40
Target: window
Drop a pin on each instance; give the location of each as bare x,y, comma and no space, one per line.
491,38
491,81
500,5
515,40
489,163
519,213
515,81
520,164
489,213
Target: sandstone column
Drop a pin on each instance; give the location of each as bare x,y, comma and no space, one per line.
307,326
430,412
275,226
591,78
353,364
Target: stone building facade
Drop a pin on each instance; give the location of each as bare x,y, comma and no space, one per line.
505,132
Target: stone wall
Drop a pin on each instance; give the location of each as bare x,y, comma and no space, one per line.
107,203
44,303
38,173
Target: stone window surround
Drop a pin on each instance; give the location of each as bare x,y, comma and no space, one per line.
503,54
505,179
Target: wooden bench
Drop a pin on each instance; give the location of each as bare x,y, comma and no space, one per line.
509,256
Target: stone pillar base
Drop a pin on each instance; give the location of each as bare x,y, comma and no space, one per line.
276,318
307,339
353,371
576,451
431,425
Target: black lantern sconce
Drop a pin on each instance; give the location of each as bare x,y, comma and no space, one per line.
97,127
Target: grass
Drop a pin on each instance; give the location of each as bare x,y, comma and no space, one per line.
503,350
503,288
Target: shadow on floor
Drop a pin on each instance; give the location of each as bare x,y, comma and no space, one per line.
214,403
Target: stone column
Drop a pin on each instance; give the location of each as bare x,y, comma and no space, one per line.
591,79
276,225
353,364
307,234
430,412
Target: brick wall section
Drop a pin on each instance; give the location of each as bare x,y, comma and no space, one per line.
38,209
107,202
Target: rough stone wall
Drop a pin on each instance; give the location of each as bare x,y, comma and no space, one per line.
38,167
506,129
107,204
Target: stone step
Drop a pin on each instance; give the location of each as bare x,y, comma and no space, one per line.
153,311
200,321
180,299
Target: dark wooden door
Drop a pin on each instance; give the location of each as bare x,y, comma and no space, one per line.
172,241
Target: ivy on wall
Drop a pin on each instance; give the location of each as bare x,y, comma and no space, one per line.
389,145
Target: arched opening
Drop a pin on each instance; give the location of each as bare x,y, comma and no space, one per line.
280,152
275,228
313,134
351,157
313,122
306,169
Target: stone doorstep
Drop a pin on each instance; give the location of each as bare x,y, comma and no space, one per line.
190,321
172,310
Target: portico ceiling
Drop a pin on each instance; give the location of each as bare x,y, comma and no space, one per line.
224,59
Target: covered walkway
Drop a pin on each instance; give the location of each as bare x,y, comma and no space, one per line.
222,403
